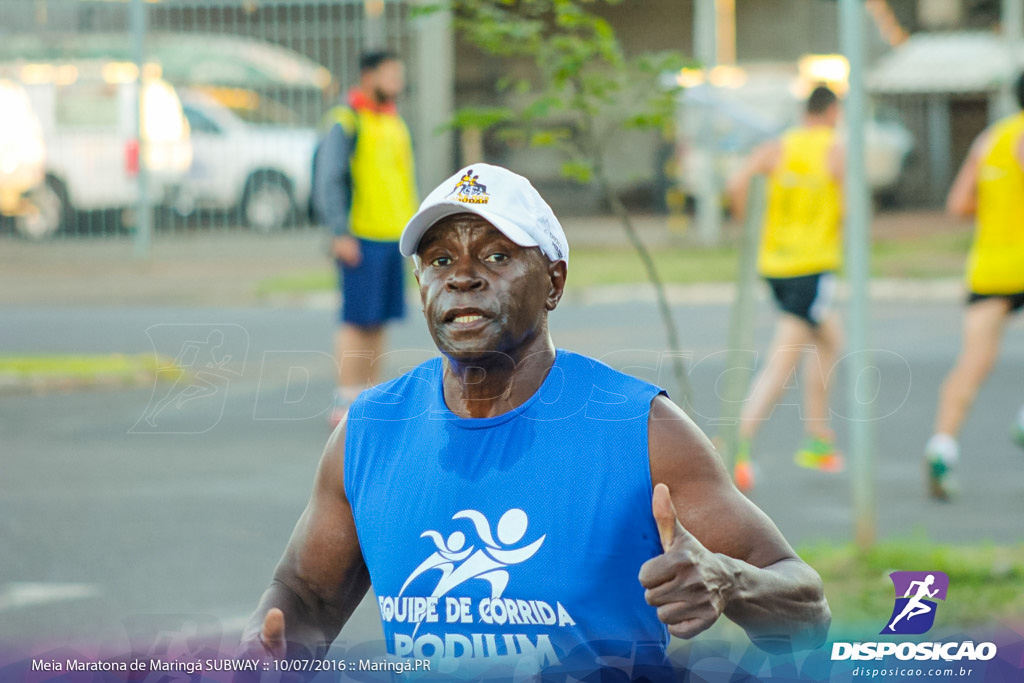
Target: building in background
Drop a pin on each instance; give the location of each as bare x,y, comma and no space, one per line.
301,53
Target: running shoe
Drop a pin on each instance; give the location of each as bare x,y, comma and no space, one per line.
941,480
743,468
1018,434
819,454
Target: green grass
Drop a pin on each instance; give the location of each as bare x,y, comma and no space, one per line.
939,256
298,283
47,372
589,267
675,265
984,580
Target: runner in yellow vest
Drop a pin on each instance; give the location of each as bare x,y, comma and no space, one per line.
990,186
364,192
801,248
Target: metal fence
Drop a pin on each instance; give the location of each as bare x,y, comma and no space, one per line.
230,98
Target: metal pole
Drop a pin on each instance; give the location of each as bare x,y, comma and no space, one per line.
725,31
1013,33
858,360
432,67
374,31
741,325
940,154
709,207
143,210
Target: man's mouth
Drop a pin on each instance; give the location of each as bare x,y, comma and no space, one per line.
464,316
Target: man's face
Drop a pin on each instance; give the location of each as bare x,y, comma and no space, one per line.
481,292
388,80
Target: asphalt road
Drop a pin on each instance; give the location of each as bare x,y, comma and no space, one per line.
136,513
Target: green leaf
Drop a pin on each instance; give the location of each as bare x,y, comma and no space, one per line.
523,86
550,137
543,139
580,171
543,107
481,118
417,11
644,120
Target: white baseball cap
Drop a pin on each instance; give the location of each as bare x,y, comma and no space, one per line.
505,199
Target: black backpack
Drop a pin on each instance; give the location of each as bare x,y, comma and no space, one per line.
347,118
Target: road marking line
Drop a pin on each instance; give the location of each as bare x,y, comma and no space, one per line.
20,594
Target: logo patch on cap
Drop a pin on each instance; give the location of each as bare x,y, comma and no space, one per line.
469,191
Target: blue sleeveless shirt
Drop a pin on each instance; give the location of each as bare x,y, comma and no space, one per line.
515,540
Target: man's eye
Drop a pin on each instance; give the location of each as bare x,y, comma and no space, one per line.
496,258
441,261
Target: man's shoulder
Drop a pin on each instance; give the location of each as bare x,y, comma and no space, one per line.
579,367
409,391
344,115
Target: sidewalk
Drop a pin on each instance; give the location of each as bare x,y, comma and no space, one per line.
223,267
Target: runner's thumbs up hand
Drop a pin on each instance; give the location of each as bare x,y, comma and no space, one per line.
688,583
272,634
264,642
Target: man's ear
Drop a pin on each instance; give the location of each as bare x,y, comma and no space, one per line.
557,272
417,266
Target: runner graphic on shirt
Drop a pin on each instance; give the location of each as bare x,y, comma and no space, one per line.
459,564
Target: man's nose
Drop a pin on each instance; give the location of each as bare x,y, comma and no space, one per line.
465,276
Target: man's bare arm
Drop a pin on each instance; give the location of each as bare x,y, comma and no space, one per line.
723,555
322,576
962,201
761,161
837,163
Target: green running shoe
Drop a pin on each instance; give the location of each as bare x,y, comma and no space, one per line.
941,480
1018,434
819,454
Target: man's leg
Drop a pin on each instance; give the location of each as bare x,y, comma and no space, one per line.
818,450
983,326
356,351
373,294
828,338
792,336
984,322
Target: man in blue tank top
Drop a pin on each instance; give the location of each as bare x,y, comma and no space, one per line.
521,508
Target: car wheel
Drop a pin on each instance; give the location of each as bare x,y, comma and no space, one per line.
268,204
50,213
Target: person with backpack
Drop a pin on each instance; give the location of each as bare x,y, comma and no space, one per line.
364,191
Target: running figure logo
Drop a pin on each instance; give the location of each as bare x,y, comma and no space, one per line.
469,190
458,563
914,612
190,392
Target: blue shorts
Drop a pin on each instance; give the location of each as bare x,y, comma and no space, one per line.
808,297
373,292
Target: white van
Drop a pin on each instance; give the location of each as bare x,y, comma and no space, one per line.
87,110
22,158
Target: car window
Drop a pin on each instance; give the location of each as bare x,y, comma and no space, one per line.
264,111
87,105
200,122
